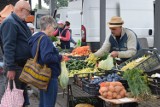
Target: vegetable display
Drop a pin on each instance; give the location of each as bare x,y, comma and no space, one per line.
77,64
106,64
81,51
82,72
92,59
137,82
112,90
110,78
134,63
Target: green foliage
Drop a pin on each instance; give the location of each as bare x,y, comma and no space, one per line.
53,38
137,82
60,3
104,56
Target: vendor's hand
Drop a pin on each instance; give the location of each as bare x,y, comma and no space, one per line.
11,75
114,54
59,37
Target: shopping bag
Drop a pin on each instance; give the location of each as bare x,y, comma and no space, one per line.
12,98
63,78
34,73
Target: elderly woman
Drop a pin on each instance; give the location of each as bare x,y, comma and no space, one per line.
47,55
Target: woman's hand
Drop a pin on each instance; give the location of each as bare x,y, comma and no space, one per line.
65,58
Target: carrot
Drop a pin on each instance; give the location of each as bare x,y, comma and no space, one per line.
82,51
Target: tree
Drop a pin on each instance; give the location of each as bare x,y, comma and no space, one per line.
60,3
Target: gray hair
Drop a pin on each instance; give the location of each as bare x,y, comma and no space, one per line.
47,20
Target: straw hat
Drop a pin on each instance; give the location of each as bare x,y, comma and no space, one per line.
115,22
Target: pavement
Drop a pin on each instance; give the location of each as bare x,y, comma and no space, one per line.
34,98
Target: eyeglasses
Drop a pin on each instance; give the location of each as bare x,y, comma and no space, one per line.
29,11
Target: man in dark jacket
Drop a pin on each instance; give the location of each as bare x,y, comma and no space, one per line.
14,34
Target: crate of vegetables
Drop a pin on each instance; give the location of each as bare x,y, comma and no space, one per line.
91,84
154,85
145,59
86,77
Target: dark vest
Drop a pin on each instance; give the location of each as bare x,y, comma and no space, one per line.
64,44
121,45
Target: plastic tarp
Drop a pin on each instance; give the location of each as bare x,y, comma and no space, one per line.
6,12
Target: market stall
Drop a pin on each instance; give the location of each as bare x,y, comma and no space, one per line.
89,73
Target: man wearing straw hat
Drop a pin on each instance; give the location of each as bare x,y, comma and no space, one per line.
122,43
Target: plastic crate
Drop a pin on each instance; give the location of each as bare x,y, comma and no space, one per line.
78,77
78,80
155,86
78,57
147,65
90,88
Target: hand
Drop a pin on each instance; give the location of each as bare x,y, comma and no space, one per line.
59,37
11,75
114,54
65,58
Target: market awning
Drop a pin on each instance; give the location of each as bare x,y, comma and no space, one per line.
6,11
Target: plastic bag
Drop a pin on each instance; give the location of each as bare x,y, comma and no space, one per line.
63,78
12,98
106,64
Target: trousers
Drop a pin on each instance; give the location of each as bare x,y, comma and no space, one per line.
2,84
48,98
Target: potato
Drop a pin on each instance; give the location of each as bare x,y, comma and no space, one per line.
104,94
113,84
102,84
118,96
109,94
118,84
103,89
114,95
118,89
111,88
122,93
107,83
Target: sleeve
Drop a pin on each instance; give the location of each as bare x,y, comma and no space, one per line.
105,48
67,37
55,33
47,54
72,40
9,44
131,45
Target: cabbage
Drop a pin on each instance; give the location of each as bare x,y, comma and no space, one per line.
63,78
106,64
